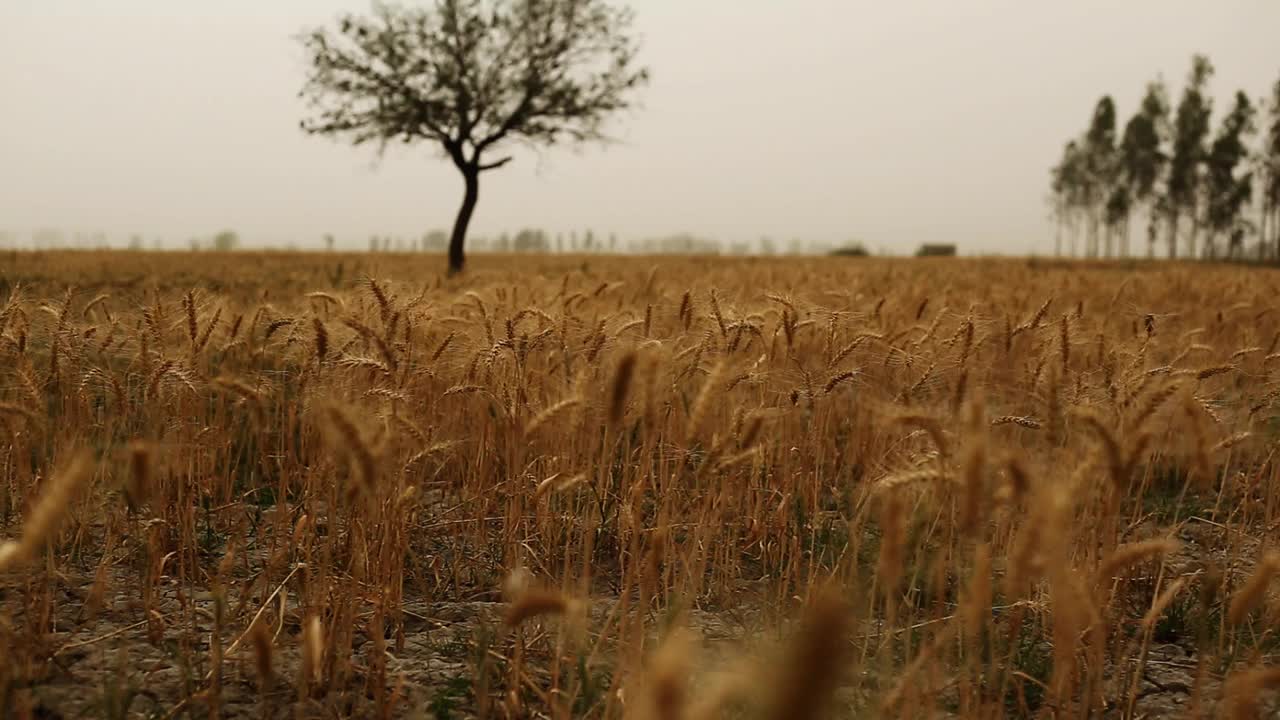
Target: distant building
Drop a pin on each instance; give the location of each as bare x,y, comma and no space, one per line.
856,249
936,250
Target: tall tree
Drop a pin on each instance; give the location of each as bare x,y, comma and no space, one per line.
1063,182
1271,178
1100,168
1142,158
470,77
1227,191
1190,128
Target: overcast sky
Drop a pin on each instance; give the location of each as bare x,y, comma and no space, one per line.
894,122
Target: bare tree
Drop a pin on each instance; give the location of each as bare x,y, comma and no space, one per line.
471,76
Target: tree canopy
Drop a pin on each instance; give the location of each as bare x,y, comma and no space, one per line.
472,77
1141,158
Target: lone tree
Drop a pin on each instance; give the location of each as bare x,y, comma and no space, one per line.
472,76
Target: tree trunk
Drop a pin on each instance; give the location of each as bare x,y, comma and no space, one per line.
458,240
1057,237
1091,245
1262,230
1173,236
1194,236
1153,232
1275,230
1267,228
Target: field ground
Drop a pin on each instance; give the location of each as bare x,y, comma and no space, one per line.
322,485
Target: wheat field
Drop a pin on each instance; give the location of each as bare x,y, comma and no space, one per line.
318,485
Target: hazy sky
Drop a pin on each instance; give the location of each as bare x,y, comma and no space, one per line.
895,122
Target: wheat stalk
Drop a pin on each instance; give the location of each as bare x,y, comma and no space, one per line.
50,510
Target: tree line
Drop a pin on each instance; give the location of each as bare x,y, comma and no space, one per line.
1196,185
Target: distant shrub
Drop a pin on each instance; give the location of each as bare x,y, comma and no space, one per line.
226,241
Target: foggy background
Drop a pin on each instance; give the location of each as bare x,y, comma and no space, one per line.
825,120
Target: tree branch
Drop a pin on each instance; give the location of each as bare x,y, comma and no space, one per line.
495,164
